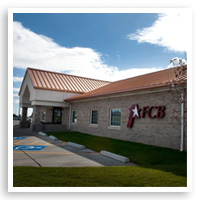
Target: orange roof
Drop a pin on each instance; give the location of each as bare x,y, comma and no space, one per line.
47,80
148,81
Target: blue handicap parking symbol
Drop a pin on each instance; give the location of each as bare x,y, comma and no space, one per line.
28,147
19,138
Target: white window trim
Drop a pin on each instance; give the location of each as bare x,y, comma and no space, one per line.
74,123
93,125
113,126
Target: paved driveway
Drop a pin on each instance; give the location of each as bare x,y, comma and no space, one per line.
32,149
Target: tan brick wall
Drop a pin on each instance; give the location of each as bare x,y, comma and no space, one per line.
37,116
163,132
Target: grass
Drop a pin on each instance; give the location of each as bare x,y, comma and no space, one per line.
147,156
157,167
95,177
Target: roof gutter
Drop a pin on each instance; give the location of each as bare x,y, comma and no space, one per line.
80,97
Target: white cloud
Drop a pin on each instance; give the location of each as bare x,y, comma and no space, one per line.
15,96
15,89
170,30
16,101
17,79
121,74
39,51
135,71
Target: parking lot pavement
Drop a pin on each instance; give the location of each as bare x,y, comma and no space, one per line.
36,150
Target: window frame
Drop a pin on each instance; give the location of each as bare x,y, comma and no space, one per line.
91,117
58,108
115,126
43,116
74,122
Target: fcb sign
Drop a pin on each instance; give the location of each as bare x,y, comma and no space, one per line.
136,112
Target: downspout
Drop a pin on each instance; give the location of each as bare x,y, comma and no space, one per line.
182,122
70,115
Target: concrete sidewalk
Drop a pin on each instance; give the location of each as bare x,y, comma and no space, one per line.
54,153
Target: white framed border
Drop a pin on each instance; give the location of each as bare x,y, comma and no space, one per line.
10,103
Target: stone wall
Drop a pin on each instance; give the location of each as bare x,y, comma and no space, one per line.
164,132
38,125
54,127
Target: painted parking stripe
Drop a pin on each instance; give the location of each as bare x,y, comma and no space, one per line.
28,147
18,142
63,144
48,143
19,138
96,153
33,143
55,143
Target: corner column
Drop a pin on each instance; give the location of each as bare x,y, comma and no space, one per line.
24,123
36,124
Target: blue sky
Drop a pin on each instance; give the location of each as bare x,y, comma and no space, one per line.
105,33
103,46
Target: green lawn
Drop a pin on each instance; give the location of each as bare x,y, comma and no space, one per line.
157,167
147,156
131,176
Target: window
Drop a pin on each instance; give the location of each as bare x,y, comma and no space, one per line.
115,115
74,116
43,116
57,115
94,116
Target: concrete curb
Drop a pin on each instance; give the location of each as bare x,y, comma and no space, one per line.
53,137
115,156
43,134
79,146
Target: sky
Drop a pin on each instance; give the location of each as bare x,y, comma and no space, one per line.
106,46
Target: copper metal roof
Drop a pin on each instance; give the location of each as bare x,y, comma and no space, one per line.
148,81
47,80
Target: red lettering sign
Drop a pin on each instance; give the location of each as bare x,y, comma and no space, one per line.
160,112
149,113
144,110
135,113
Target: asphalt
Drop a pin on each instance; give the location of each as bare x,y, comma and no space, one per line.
53,153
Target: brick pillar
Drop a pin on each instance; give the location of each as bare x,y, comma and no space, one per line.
24,114
36,124
24,123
